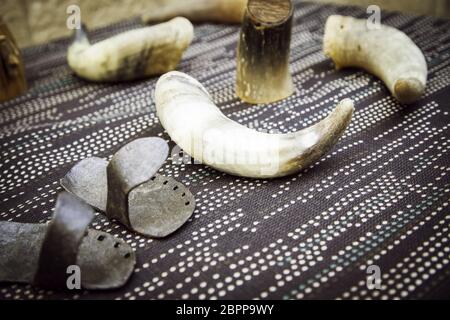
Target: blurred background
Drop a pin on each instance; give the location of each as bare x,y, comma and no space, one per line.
38,21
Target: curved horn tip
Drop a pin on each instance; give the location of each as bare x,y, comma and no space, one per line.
181,19
346,106
167,77
408,90
171,74
183,78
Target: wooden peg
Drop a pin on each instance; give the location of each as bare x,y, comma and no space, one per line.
12,76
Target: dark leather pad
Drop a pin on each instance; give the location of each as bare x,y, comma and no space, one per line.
103,264
87,180
145,202
159,206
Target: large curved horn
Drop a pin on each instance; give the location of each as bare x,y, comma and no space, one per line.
194,122
384,51
133,54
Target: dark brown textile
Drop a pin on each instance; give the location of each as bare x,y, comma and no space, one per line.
381,197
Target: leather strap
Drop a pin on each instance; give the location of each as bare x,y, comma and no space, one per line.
132,165
63,237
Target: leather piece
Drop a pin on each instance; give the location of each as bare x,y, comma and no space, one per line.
87,180
62,239
20,245
105,262
129,190
133,164
160,206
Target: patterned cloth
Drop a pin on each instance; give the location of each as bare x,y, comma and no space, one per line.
381,197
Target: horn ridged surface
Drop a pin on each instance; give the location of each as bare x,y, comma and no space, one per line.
381,50
133,54
196,124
